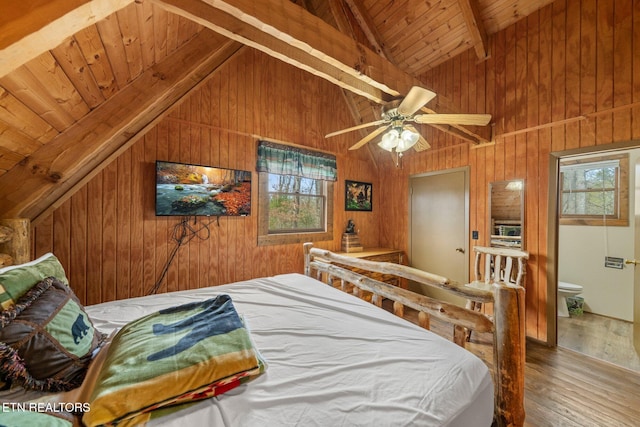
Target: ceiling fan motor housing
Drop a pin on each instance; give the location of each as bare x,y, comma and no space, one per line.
390,111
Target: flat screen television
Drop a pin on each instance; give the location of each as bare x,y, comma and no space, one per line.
187,189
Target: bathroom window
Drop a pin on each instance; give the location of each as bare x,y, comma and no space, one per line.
595,191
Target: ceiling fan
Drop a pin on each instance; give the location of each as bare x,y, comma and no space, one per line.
397,117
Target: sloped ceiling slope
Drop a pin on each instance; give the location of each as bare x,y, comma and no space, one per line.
81,80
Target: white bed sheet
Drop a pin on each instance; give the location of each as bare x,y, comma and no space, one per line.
333,360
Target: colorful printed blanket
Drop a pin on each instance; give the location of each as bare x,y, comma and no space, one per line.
178,355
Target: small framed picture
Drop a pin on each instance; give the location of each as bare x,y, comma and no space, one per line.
358,196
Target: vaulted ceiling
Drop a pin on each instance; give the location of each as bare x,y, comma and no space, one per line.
67,67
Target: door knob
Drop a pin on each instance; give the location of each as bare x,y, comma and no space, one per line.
461,250
631,261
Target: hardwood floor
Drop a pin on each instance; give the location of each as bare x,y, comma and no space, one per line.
564,388
601,337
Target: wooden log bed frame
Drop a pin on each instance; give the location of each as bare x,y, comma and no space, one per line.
507,323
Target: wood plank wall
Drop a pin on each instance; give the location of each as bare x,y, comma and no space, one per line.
571,59
107,235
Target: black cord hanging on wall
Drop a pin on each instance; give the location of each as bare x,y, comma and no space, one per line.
183,233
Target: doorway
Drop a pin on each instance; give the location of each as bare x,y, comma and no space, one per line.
438,226
603,326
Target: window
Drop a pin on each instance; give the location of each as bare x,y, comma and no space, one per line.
294,209
595,191
296,204
295,194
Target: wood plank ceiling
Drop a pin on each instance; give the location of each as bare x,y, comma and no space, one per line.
81,80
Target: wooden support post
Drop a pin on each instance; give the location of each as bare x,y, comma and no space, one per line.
6,234
424,320
306,249
376,300
398,309
459,335
356,291
509,354
19,246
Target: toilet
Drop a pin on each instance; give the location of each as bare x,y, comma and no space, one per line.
565,290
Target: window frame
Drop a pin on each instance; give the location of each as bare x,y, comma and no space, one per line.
621,218
266,238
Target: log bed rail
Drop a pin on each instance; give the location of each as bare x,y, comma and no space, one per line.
507,323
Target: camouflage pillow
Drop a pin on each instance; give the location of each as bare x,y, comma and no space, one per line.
47,340
15,280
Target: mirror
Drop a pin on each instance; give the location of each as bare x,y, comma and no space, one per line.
506,214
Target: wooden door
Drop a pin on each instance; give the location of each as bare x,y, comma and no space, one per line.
635,265
439,218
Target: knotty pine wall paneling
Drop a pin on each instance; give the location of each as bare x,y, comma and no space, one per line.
107,235
559,79
564,77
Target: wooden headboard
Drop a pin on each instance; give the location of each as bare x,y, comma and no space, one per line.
507,324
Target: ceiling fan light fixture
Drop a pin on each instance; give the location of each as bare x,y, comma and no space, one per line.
408,139
396,116
390,140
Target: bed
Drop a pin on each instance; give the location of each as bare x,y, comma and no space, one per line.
331,358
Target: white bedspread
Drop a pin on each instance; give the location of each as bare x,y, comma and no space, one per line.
333,360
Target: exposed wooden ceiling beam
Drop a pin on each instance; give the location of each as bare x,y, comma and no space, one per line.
478,33
371,32
441,105
359,114
31,30
15,146
288,32
24,17
277,27
341,18
344,25
51,174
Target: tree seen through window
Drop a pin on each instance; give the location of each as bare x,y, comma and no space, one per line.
295,204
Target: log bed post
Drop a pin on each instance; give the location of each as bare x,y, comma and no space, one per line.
306,249
509,354
15,240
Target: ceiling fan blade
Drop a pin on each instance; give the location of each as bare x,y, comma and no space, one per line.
362,126
422,143
415,99
368,138
454,119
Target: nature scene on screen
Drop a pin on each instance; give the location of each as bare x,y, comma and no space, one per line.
183,189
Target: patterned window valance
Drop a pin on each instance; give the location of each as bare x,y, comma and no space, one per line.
289,160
